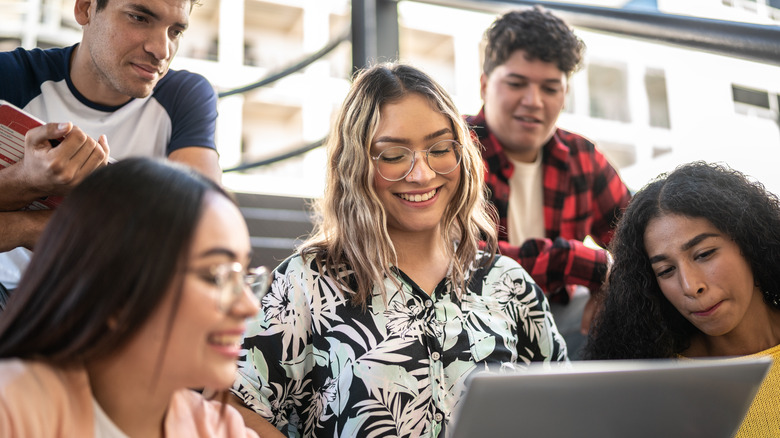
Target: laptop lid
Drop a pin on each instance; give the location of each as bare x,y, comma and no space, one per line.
649,398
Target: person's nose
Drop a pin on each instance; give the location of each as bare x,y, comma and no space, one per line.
247,305
691,280
158,44
421,171
531,97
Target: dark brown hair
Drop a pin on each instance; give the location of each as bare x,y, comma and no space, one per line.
539,33
105,261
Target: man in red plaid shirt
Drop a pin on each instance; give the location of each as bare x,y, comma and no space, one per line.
552,188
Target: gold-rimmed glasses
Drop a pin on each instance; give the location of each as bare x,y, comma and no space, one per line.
231,280
396,162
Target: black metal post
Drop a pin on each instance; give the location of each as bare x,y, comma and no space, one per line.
374,32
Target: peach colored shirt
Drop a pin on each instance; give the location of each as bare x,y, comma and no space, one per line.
41,400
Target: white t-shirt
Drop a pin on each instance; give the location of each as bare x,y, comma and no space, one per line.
525,215
104,427
180,112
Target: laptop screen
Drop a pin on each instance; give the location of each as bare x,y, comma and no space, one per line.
650,398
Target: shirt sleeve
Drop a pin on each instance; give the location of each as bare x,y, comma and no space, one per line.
610,198
38,400
18,414
191,103
555,263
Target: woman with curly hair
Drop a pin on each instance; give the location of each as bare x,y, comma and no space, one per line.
695,275
374,325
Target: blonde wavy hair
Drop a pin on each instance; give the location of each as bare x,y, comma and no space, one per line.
351,229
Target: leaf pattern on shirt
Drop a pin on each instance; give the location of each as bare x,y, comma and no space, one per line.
314,365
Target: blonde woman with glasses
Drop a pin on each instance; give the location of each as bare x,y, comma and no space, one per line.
137,291
373,326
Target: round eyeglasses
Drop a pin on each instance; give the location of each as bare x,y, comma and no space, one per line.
230,281
396,162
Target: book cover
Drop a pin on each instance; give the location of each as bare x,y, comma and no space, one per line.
14,124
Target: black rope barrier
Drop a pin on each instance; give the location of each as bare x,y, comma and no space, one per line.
277,158
300,65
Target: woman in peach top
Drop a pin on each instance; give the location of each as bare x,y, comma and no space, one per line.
137,291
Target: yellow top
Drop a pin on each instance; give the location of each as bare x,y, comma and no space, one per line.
763,417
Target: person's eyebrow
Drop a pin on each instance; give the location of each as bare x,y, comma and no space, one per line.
217,251
696,240
685,246
438,133
525,78
657,258
431,136
146,11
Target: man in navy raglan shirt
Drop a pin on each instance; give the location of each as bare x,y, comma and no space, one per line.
116,86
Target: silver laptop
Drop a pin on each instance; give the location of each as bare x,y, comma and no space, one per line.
650,398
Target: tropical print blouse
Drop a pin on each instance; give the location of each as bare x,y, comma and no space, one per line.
315,365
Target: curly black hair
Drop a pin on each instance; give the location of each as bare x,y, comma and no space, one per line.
539,33
636,320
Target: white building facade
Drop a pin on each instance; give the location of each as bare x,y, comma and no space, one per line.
649,106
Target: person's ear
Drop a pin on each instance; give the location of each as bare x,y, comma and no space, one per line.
82,11
566,89
483,80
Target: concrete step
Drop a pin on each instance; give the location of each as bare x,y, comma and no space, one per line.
277,225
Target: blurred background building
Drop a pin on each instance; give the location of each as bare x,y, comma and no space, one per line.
649,105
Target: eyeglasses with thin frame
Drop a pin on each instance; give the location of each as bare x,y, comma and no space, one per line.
395,163
231,280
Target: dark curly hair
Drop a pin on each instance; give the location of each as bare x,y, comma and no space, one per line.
539,33
636,320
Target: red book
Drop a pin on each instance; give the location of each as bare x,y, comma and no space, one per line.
14,124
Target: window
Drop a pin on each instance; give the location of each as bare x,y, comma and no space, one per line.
756,103
657,99
619,154
750,97
764,8
608,89
659,150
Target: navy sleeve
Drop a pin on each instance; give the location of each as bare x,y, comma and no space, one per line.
23,71
191,103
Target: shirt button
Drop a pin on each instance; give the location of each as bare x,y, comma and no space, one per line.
428,303
438,417
435,355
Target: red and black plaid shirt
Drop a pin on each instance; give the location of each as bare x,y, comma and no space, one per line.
583,195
